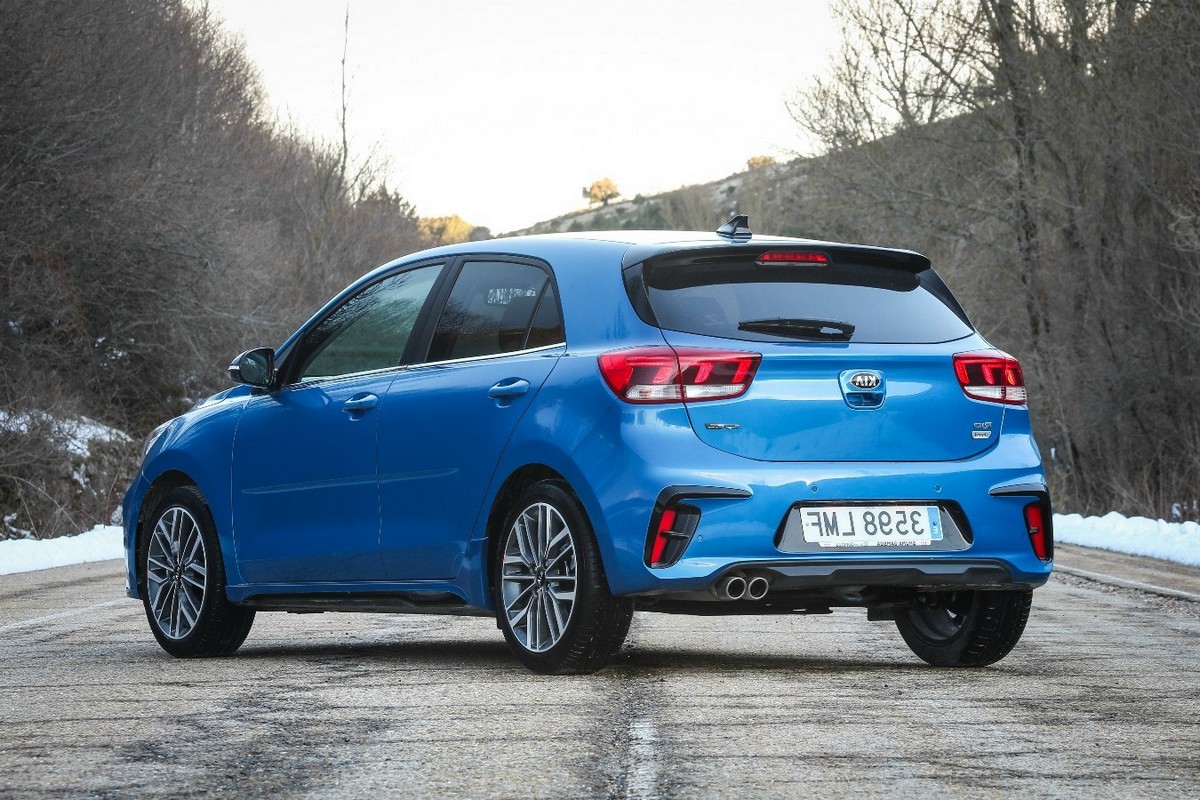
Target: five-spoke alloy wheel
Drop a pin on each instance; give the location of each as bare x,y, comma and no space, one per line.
552,600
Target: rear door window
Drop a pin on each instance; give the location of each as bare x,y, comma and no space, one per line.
742,299
497,307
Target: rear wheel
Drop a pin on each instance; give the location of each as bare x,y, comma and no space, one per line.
183,581
552,600
965,628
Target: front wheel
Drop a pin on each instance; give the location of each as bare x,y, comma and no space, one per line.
183,581
552,600
965,628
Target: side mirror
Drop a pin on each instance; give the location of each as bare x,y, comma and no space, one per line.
254,368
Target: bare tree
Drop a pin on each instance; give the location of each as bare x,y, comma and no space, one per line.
1045,153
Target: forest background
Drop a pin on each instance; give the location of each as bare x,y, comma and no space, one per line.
155,219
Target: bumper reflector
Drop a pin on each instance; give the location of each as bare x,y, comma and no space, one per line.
670,534
1037,524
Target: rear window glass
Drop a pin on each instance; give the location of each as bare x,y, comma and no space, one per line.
790,302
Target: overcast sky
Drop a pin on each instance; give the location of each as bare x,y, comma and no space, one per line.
502,111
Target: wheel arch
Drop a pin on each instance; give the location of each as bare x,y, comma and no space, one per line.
509,491
162,485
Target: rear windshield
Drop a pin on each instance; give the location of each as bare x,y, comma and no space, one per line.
789,302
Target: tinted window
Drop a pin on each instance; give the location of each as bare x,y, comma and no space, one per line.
370,330
838,301
497,307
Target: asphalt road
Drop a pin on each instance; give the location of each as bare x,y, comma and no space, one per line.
1100,699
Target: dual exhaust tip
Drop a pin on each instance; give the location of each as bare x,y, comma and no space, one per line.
736,587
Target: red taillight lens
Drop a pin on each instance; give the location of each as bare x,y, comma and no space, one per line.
994,376
672,375
793,257
1036,519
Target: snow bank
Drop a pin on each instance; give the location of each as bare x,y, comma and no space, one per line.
25,555
1172,541
72,434
1141,536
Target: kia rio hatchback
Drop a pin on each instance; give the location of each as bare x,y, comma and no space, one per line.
559,430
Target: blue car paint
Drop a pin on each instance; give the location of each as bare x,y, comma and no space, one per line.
306,504
616,457
440,437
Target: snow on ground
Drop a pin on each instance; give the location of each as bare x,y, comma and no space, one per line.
1172,541
73,434
25,555
1141,536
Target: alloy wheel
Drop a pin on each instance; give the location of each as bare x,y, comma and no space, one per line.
176,572
538,577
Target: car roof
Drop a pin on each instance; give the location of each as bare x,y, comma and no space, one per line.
638,245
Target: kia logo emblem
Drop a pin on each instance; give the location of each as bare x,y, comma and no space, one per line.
865,380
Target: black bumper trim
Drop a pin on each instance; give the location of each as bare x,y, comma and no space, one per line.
939,573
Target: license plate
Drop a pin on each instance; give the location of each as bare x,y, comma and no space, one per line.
869,526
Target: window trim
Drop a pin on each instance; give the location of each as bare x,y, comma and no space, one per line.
488,357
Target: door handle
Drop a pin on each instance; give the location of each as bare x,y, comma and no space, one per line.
360,403
512,387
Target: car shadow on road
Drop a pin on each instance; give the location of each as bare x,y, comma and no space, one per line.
477,653
638,660
645,660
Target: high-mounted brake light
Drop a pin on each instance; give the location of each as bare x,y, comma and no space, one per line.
793,257
992,376
672,375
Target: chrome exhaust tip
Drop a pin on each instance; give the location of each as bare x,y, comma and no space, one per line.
756,588
731,588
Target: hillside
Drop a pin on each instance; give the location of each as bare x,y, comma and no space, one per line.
765,193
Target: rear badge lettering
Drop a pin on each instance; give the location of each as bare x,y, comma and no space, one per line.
722,426
982,430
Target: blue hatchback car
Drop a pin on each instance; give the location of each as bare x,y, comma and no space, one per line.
559,430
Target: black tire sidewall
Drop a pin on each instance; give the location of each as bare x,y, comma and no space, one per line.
991,628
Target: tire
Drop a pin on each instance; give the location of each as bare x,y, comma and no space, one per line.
965,628
546,547
184,596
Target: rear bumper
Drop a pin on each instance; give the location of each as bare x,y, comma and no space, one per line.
741,516
881,586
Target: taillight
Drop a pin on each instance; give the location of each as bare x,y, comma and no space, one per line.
1037,525
672,375
992,376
